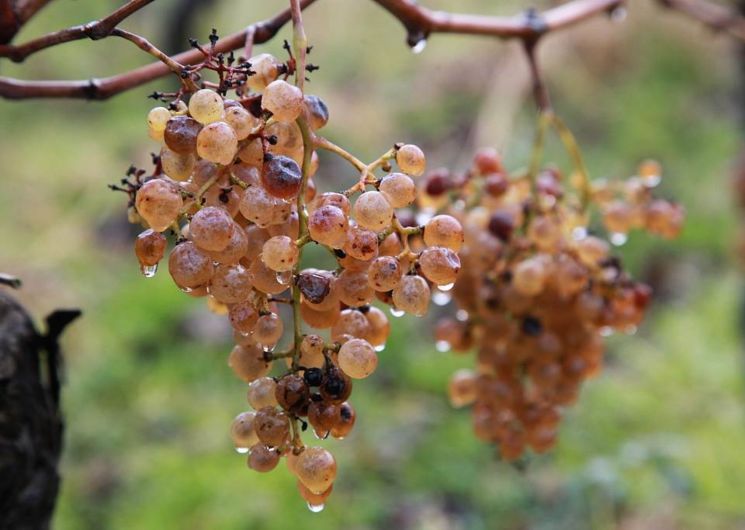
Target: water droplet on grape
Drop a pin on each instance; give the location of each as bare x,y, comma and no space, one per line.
446,287
579,232
268,349
284,278
241,450
186,289
149,271
396,312
618,14
652,181
315,508
606,331
461,315
419,46
380,347
440,298
442,346
618,239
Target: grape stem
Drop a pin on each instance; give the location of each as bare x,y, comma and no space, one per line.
572,148
299,42
323,143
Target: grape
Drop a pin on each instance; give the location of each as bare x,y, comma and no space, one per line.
189,267
242,430
496,184
212,228
252,153
248,174
280,253
242,121
181,134
330,199
410,160
206,106
345,421
157,119
236,248
281,177
150,247
319,319
266,68
487,160
256,237
159,203
272,426
529,276
175,165
313,499
257,206
315,287
361,244
243,317
230,284
316,469
462,388
357,358
283,100
292,394
380,328
328,225
351,322
591,250
247,361
261,393
311,352
444,231
264,279
373,211
412,295
354,288
439,265
384,273
316,111
337,386
322,415
501,224
262,458
398,189
268,330
217,142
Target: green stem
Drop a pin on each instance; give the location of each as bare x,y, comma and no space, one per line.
572,148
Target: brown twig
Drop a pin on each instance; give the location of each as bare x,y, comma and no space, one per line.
98,29
715,16
14,14
420,22
101,89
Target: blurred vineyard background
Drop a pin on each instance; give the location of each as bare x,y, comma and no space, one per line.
656,442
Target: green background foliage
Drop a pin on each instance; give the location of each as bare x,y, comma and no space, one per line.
655,442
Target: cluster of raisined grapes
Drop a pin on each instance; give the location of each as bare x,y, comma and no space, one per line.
538,292
235,185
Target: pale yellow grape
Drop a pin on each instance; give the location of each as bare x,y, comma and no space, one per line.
211,228
159,203
230,284
529,276
462,388
373,211
242,121
175,165
261,393
410,160
157,119
242,430
398,189
217,142
268,330
280,253
439,265
412,295
316,469
206,106
444,231
357,358
247,361
283,100
328,225
266,68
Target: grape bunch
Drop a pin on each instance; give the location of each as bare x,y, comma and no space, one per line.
538,292
235,184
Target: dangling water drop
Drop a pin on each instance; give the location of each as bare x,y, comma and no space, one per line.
579,232
148,271
315,508
461,315
241,450
396,312
446,287
380,348
440,298
419,46
442,346
268,349
424,215
618,14
283,278
618,238
186,289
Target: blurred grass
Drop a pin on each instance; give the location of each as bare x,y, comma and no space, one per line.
655,442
